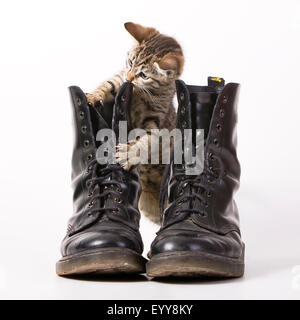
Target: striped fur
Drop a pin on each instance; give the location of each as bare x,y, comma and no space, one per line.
152,65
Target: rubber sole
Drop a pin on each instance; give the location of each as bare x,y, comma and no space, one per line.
194,264
102,261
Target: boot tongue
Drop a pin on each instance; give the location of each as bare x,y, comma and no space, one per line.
202,104
113,110
106,110
195,107
121,111
196,104
203,100
101,116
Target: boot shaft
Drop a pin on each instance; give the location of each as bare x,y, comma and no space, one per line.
87,121
214,109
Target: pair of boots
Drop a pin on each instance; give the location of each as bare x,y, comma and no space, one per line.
200,233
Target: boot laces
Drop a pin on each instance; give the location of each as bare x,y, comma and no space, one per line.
102,177
199,189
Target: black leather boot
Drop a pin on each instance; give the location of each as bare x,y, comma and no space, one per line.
200,234
103,233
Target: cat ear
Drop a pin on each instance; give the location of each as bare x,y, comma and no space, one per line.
171,64
139,32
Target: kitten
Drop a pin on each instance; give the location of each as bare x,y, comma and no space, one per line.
152,65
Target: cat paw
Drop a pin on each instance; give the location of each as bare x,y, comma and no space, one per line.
127,155
91,98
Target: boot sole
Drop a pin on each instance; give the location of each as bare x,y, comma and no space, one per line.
102,261
194,264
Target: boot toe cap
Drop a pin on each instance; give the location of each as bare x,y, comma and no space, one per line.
93,240
229,245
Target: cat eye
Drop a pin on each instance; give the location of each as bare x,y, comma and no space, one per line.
142,75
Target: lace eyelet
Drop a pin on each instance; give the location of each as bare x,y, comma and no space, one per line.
81,115
184,185
181,96
89,169
89,184
215,141
180,203
90,157
219,127
78,100
209,194
123,98
83,129
224,100
90,104
211,156
119,190
222,113
86,143
91,204
118,200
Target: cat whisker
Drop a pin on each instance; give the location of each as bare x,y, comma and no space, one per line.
150,95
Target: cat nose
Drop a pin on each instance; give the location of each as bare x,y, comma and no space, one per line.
130,76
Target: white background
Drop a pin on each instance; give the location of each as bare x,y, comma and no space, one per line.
45,46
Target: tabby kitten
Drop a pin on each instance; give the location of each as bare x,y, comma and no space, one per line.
152,65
